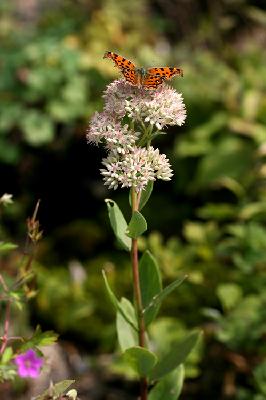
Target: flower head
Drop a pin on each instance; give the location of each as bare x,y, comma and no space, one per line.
132,117
105,129
135,168
116,95
6,199
160,164
160,107
29,364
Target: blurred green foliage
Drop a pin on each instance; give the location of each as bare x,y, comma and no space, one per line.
213,214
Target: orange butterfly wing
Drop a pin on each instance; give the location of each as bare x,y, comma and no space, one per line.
156,76
126,67
153,78
152,82
165,72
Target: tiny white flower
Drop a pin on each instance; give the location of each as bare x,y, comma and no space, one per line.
6,199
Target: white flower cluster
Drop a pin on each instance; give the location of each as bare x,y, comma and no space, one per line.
160,107
136,168
127,164
104,128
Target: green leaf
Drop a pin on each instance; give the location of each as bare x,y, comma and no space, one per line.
145,195
260,376
252,209
8,372
231,158
117,305
229,295
7,246
10,113
169,387
157,300
140,359
55,390
40,338
37,127
17,297
118,224
150,284
7,355
137,225
127,336
27,277
176,356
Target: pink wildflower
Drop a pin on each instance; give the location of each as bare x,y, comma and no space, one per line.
29,364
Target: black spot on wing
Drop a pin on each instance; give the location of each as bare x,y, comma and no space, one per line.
129,75
152,82
127,71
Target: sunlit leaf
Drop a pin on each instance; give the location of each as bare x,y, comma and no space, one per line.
40,338
157,300
137,225
5,247
169,387
150,284
37,128
127,335
118,223
140,359
176,356
55,390
7,355
128,317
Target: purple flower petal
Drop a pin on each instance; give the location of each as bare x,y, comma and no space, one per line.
29,364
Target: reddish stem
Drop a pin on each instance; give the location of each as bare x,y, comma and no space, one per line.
6,327
137,295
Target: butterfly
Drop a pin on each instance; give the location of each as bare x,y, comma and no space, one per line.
149,78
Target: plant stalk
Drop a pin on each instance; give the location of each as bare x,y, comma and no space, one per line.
6,328
137,295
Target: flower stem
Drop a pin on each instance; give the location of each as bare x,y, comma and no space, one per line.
6,328
4,338
137,294
147,134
